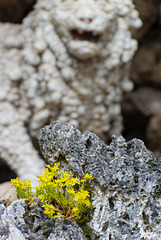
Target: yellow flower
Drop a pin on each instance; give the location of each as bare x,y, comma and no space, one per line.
54,168
71,191
87,176
42,197
81,195
87,203
18,184
66,193
49,209
72,181
66,176
75,209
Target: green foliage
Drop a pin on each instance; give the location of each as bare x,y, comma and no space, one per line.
8,200
62,195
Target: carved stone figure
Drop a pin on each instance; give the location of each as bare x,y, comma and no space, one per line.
68,60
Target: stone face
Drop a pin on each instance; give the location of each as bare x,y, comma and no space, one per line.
126,190
68,60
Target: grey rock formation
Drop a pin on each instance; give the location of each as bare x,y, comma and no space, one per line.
68,60
126,190
25,222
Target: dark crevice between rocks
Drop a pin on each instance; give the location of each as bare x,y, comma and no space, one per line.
15,11
105,226
111,202
145,218
27,10
157,192
6,174
86,231
134,122
126,216
110,236
61,158
88,143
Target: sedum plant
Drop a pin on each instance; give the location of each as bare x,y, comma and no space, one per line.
62,195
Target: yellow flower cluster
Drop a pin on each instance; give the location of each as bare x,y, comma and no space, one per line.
62,195
24,189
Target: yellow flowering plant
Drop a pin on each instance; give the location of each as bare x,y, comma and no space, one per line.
62,195
23,189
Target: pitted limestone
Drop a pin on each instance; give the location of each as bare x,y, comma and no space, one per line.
22,221
126,190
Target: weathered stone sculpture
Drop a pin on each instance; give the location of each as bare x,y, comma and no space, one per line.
68,60
126,190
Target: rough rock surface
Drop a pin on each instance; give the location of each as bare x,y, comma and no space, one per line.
68,60
126,190
22,221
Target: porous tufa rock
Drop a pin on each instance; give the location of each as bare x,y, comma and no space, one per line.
22,221
125,191
126,196
68,60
